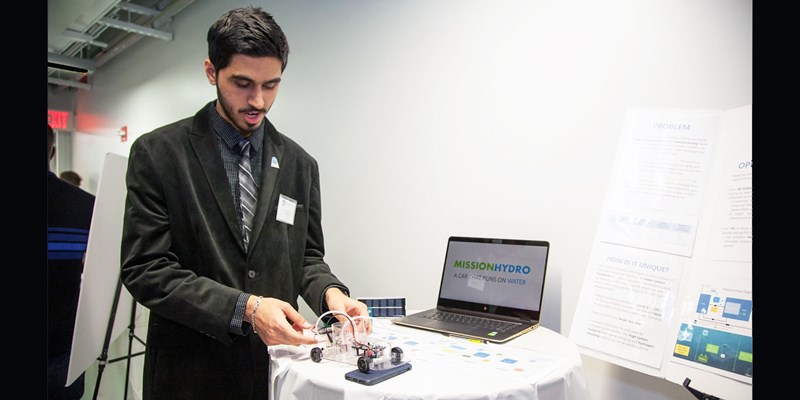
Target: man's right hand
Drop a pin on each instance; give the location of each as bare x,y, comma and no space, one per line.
271,322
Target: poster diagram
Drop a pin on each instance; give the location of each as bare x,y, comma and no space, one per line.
719,308
720,336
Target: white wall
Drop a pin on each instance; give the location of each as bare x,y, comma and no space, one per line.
438,118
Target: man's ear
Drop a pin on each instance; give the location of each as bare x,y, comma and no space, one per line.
211,72
52,153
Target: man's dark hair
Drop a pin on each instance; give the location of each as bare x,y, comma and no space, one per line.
250,31
71,177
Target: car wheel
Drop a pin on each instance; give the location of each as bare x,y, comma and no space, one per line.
363,364
316,354
397,355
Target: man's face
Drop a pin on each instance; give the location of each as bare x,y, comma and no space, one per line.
246,89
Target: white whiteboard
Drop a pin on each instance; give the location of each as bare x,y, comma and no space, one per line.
101,271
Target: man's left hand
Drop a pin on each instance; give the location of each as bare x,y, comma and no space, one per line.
338,301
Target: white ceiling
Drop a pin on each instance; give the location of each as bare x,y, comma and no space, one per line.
82,35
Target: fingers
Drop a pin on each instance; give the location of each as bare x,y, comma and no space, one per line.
359,324
341,318
273,327
353,308
296,318
356,308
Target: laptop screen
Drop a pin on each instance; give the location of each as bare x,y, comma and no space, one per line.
500,276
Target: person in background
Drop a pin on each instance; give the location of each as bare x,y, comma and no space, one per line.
222,228
71,177
69,215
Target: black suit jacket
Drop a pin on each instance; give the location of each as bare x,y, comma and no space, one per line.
182,256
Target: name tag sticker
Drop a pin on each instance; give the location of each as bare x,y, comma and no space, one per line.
286,209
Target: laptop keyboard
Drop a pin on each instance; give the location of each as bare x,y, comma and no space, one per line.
470,320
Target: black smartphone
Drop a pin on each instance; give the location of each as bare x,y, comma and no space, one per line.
374,376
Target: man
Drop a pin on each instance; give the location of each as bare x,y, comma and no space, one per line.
221,275
69,215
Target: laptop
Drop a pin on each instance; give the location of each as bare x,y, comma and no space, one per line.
491,289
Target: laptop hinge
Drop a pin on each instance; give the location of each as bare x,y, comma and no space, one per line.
483,314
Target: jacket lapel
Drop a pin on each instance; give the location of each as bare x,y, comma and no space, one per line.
267,195
204,144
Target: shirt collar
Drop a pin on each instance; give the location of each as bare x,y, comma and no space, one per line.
230,135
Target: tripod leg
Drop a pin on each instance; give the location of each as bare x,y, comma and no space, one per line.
131,327
100,367
104,355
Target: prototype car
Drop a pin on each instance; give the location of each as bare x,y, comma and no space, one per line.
349,342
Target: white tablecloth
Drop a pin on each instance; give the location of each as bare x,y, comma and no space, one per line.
295,377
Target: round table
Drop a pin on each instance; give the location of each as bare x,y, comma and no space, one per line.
539,365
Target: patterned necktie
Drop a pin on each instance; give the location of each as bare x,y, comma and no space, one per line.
247,191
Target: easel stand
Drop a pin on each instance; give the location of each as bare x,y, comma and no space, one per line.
103,358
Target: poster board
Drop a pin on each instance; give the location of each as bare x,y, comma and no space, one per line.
101,271
668,288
